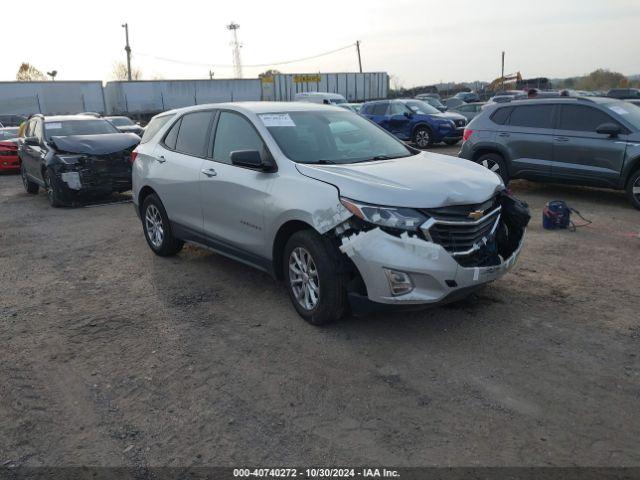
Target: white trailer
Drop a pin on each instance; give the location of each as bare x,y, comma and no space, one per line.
51,98
153,96
355,87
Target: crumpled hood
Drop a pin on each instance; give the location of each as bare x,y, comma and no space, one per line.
426,180
96,144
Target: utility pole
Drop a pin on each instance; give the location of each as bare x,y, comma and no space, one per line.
502,70
210,74
359,58
237,64
53,74
127,49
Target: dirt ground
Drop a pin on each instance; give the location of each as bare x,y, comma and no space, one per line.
113,356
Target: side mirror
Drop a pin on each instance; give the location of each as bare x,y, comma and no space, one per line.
408,114
248,159
610,129
33,141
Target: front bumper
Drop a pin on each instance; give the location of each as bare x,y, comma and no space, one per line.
457,134
435,274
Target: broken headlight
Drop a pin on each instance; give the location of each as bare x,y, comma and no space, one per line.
397,218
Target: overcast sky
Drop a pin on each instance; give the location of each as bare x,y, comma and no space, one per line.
418,41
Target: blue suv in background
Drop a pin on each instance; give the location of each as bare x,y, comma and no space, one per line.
416,121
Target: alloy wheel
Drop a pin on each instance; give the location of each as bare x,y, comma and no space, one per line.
48,187
25,181
303,277
635,190
423,138
491,165
155,228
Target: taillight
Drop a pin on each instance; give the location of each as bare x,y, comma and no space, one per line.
467,134
133,156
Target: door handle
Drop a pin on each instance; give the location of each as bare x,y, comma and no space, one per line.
161,159
504,134
209,172
561,139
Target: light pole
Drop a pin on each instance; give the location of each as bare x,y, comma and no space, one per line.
127,49
53,74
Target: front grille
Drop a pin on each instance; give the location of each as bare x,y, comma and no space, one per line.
457,232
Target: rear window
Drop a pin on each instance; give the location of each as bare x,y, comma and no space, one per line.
378,109
154,126
501,115
532,116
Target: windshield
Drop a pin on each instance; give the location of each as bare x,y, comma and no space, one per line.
423,108
628,111
331,137
78,127
121,121
8,133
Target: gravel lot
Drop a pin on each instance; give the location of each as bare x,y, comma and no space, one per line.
113,356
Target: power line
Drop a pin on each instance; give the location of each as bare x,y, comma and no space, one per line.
198,64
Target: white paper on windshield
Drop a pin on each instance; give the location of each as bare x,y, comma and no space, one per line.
53,125
277,120
619,110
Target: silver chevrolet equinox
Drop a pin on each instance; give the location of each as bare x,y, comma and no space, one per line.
345,214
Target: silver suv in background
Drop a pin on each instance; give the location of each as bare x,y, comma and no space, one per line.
321,198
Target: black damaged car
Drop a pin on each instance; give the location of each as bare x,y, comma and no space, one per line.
75,156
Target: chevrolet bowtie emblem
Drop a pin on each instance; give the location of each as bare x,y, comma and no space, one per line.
477,214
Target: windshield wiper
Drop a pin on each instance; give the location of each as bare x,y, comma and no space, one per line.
381,157
323,162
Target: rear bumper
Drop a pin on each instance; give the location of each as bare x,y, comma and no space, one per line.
434,273
9,163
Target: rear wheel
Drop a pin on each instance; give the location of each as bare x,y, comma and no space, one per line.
495,163
157,229
29,186
422,137
633,189
53,191
312,273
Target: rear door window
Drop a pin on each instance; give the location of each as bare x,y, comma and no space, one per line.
532,116
154,127
579,118
501,115
172,137
192,135
379,109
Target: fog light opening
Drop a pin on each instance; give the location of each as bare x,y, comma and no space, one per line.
400,283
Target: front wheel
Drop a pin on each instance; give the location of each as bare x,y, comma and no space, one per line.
312,273
157,229
633,189
422,137
495,163
29,186
53,190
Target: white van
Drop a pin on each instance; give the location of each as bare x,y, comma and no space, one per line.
320,97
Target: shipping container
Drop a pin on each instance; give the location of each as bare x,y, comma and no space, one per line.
153,96
51,98
355,87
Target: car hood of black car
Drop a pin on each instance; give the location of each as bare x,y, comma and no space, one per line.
96,144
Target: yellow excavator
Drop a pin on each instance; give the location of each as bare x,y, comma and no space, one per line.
508,82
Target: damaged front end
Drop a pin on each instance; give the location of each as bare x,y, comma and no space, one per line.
430,256
97,166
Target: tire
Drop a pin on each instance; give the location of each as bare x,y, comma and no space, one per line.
496,164
305,250
452,142
52,188
423,137
633,189
29,186
157,229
